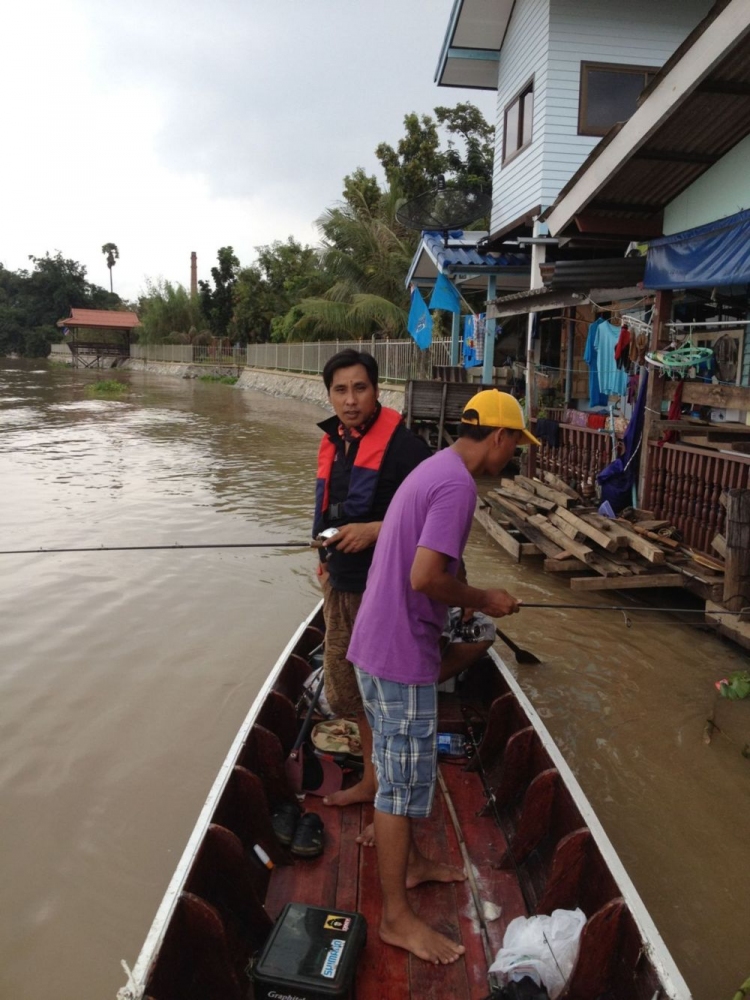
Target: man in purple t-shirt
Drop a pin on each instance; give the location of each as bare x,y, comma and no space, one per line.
395,647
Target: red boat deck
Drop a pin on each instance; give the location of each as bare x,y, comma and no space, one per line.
345,877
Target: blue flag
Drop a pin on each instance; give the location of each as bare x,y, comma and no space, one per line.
445,295
419,323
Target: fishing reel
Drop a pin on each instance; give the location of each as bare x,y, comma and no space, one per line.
468,631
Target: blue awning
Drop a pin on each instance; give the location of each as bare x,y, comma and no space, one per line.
712,255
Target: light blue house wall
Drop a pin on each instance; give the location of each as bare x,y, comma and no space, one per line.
517,187
549,39
723,190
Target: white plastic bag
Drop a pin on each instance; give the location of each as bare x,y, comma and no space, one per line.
543,948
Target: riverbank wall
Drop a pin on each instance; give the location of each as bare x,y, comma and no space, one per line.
309,388
293,385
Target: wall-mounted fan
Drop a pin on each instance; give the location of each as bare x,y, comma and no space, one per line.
444,209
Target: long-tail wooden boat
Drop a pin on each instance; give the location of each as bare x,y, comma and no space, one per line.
515,811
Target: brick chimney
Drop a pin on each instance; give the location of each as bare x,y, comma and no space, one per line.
193,273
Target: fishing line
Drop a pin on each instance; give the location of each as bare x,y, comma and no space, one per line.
174,545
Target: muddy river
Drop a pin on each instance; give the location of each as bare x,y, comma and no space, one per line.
124,676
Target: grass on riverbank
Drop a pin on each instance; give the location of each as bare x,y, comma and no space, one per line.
224,379
107,387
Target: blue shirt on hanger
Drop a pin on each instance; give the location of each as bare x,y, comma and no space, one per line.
596,396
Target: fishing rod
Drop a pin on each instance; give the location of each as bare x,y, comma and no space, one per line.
313,544
632,607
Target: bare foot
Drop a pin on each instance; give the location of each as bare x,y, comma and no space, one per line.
351,796
412,934
367,837
426,870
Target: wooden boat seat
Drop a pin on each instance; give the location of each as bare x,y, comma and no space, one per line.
243,809
503,719
522,759
600,942
223,877
534,820
563,886
195,961
291,677
264,755
311,638
280,717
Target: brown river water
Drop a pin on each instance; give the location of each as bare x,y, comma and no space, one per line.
125,675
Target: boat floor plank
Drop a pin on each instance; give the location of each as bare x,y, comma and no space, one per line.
437,904
499,889
310,881
346,877
383,972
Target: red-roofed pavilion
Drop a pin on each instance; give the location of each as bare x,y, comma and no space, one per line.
93,334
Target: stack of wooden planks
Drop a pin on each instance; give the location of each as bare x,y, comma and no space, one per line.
545,517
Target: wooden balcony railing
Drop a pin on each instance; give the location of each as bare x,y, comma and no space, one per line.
581,456
683,485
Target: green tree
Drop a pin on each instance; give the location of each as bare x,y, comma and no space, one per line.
217,303
32,302
283,274
362,192
168,312
470,159
113,255
418,159
365,254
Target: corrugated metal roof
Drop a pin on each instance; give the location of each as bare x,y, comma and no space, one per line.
101,318
461,253
608,272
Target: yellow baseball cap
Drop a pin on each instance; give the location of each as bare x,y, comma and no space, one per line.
492,408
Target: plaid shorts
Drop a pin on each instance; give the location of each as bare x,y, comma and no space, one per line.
403,718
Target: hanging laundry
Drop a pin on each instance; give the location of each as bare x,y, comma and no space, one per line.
673,413
612,380
596,396
622,351
548,431
596,421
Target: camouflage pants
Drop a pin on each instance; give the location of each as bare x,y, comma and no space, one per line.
339,611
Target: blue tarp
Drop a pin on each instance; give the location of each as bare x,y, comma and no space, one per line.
712,255
619,477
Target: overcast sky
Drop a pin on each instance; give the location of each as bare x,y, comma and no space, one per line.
166,126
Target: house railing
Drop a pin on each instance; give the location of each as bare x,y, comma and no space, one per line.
398,360
581,455
684,486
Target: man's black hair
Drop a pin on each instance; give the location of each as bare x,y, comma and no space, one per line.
475,432
347,358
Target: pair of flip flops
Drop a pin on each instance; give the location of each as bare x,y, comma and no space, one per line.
301,832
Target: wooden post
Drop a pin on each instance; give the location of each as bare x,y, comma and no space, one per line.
737,571
655,393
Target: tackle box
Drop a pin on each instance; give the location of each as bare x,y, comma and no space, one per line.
311,954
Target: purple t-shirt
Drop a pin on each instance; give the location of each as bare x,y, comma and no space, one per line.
397,630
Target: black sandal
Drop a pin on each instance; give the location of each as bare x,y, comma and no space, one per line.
284,821
308,837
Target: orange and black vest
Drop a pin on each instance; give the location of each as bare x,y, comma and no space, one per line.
365,471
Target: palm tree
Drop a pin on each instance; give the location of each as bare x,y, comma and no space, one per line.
112,254
366,254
